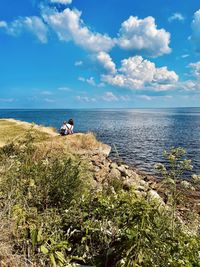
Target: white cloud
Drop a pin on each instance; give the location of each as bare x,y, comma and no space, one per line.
185,55
85,98
195,69
195,37
69,26
106,62
176,16
146,97
82,79
150,98
163,76
64,2
3,24
142,36
138,35
91,81
46,93
110,97
192,84
78,63
49,100
136,73
34,25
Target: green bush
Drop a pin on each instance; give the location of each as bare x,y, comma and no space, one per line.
57,219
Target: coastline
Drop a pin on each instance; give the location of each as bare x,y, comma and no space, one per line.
71,183
96,153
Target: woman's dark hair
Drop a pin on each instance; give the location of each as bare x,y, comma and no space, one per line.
71,122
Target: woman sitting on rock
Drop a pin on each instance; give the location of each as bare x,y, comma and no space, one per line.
67,127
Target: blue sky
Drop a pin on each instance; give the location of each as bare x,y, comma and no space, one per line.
99,54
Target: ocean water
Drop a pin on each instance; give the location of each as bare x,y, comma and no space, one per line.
138,135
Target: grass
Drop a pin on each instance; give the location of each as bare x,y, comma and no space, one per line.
11,130
50,215
47,138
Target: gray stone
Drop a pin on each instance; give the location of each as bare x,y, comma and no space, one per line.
113,165
141,188
154,196
128,183
123,170
143,183
115,173
96,169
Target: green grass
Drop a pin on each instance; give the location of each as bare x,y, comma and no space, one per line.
10,131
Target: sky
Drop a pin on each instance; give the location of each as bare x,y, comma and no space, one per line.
99,54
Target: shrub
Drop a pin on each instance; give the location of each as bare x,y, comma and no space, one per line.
57,219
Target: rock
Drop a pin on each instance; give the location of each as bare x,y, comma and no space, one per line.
128,183
154,196
96,169
104,149
133,175
126,166
113,165
143,183
141,188
115,174
122,170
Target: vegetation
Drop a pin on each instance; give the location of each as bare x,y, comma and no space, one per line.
51,215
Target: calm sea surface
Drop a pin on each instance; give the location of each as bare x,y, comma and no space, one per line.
140,135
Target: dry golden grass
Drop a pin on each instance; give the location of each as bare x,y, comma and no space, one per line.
7,258
12,130
48,139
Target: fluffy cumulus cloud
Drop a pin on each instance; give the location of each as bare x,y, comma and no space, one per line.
136,73
195,37
137,35
192,84
69,26
34,25
106,62
142,35
64,2
176,16
195,69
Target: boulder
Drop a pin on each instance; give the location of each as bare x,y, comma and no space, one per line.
115,174
113,165
122,170
154,196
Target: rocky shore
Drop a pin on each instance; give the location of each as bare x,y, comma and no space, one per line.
106,170
103,169
71,183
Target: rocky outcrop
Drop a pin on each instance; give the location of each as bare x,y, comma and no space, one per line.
105,170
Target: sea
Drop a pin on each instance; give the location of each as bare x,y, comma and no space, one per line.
137,136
